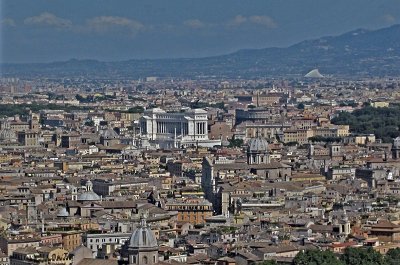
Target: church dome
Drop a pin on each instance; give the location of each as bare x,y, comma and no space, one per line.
143,237
88,196
258,145
62,212
109,134
396,142
7,135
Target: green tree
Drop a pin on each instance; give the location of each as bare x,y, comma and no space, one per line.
383,122
362,256
89,123
235,142
393,257
300,106
136,109
316,257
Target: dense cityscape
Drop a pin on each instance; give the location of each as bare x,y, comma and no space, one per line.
200,132
163,171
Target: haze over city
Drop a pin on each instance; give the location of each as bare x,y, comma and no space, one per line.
54,30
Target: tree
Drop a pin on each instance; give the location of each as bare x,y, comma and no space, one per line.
384,122
136,109
300,106
89,123
235,142
316,257
362,256
393,256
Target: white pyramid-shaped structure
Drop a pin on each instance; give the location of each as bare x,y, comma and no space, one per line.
314,74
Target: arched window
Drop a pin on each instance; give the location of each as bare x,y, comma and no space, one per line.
145,260
144,237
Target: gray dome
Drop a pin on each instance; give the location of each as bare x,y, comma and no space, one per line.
396,142
7,135
62,212
109,134
258,145
143,237
88,196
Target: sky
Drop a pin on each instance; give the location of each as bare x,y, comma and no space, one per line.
58,30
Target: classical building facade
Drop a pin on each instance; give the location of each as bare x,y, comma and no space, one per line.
172,130
192,210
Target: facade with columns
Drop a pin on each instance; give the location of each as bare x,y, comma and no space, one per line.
179,129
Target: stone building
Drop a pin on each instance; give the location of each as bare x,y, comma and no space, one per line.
172,130
142,246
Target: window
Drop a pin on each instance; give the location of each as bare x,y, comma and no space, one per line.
144,238
144,260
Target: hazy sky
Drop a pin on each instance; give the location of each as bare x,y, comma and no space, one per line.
53,30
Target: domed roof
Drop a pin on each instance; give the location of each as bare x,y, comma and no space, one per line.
314,74
396,141
7,135
88,196
109,134
258,145
143,237
62,212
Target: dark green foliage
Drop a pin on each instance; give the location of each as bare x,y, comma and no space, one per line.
316,257
300,106
235,142
362,256
383,122
91,98
82,99
393,257
23,109
324,139
136,109
291,143
136,98
89,123
202,105
351,104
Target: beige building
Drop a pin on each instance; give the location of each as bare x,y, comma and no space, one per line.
380,104
40,256
28,138
193,211
9,244
300,136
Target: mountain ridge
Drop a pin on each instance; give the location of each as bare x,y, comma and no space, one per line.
360,52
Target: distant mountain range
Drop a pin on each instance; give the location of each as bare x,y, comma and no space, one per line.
357,53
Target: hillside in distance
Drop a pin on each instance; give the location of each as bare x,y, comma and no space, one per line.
356,53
